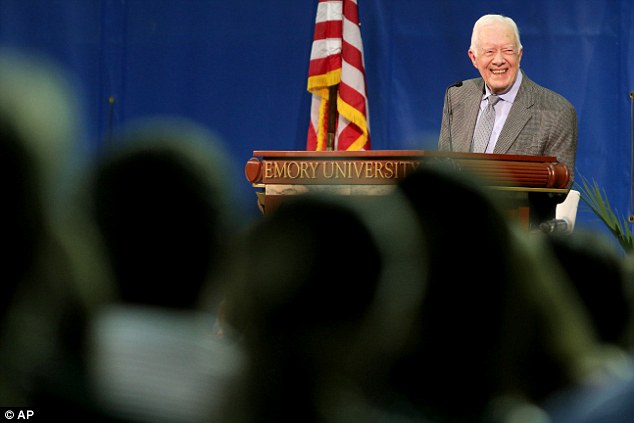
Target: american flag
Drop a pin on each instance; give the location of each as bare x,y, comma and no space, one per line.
337,66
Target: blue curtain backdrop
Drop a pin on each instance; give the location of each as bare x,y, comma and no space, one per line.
240,68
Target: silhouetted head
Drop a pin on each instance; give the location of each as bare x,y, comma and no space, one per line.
161,203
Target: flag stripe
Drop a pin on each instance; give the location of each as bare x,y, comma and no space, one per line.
328,29
336,59
320,67
351,12
352,97
352,76
329,10
353,32
352,55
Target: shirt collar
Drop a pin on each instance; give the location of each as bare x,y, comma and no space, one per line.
510,94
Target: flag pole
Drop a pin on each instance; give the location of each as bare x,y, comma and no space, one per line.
332,116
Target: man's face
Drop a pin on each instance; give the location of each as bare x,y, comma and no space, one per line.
497,57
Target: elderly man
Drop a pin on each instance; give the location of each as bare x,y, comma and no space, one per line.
504,112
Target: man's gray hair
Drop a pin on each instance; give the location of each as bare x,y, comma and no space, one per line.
492,19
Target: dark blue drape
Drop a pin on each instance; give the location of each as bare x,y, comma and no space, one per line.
240,68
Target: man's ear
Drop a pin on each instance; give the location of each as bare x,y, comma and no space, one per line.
473,58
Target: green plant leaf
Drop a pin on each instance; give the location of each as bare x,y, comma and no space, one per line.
598,201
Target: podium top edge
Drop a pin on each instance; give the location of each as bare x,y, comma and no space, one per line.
398,153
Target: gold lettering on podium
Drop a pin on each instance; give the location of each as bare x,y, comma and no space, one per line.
338,169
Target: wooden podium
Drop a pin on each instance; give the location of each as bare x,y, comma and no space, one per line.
530,187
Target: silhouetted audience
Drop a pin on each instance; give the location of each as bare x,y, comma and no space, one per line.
310,282
53,273
612,402
601,274
485,324
161,197
500,328
597,270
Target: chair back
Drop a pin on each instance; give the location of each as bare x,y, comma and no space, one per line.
567,209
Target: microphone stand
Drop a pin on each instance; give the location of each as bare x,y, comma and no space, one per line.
450,112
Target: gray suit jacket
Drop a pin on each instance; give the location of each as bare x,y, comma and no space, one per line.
540,123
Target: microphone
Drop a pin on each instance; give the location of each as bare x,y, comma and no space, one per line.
450,111
555,225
